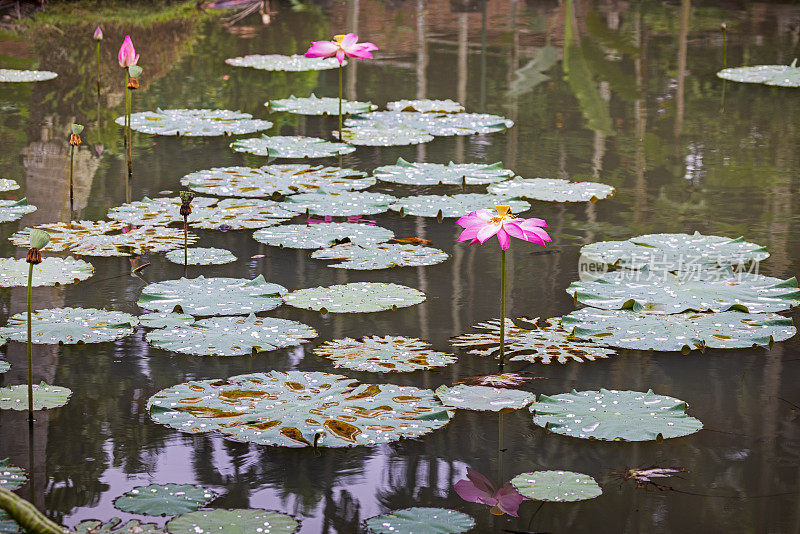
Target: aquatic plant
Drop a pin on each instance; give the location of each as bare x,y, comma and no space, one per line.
74,140
98,36
38,240
420,519
556,486
127,58
185,211
478,488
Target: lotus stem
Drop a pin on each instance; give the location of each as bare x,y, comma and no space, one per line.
27,515
71,167
502,307
500,451
129,105
185,242
98,68
30,347
724,28
125,110
341,140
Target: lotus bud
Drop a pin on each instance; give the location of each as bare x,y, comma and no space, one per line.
127,55
39,238
98,34
723,26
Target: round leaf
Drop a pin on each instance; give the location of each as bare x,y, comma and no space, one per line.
70,326
12,210
277,62
455,205
556,486
322,235
314,105
7,184
11,476
344,204
4,365
15,75
45,397
194,122
163,500
553,190
236,521
373,134
421,521
52,271
484,398
165,320
439,174
282,146
426,106
380,256
116,526
438,124
201,256
356,297
387,354
780,75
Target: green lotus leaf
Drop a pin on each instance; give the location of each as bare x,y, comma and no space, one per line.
439,174
355,297
612,415
438,124
165,320
231,336
52,271
314,105
426,106
201,256
106,238
556,486
388,354
322,235
453,206
484,398
546,343
164,500
12,210
45,397
296,146
194,122
275,179
116,526
8,525
212,296
4,365
70,326
207,213
11,476
420,521
373,134
342,204
293,63
7,184
299,409
780,75
678,332
380,256
15,75
553,190
235,521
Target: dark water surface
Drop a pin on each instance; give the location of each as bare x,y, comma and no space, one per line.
641,110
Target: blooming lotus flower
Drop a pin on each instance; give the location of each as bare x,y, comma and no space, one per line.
341,46
479,226
127,53
98,34
478,488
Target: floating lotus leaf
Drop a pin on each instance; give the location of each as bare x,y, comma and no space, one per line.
293,63
484,398
207,213
201,256
421,521
116,526
271,179
296,146
426,106
780,75
322,235
389,354
12,210
45,397
553,190
194,122
236,521
165,320
106,238
314,105
52,271
675,252
299,409
612,415
374,134
453,206
678,332
11,476
231,336
163,500
70,326
8,185
501,380
212,296
8,525
380,256
438,124
665,292
345,204
439,174
546,344
15,75
4,365
556,486
356,297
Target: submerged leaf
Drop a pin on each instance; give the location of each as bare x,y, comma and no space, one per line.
297,146
322,235
556,486
553,190
387,354
194,122
45,397
52,271
484,398
356,297
380,256
164,500
314,105
70,326
277,62
407,173
421,521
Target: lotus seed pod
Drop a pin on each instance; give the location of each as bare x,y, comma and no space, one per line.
135,71
39,238
77,128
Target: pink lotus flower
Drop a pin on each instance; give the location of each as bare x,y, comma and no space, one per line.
98,34
478,488
127,53
479,226
341,46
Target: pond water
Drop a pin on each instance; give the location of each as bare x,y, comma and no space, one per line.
641,110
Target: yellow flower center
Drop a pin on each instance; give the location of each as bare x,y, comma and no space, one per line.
503,214
338,39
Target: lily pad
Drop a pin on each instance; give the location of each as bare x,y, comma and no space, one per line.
165,320
212,296
373,134
164,500
70,326
231,336
421,521
116,526
426,106
556,486
296,146
271,179
355,297
612,415
780,75
484,398
16,75
13,210
277,62
45,397
11,476
236,521
52,271
439,174
194,122
678,332
314,105
453,205
345,203
7,184
299,409
553,190
201,256
380,256
438,124
106,238
322,235
4,365
547,343
388,354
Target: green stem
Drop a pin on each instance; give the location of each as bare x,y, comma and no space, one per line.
185,243
128,112
71,167
500,480
98,68
125,110
502,307
26,514
724,49
340,104
30,348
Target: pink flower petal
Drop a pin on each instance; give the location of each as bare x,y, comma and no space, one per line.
322,49
503,237
469,233
359,54
480,481
349,41
509,499
514,230
469,492
340,56
487,231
